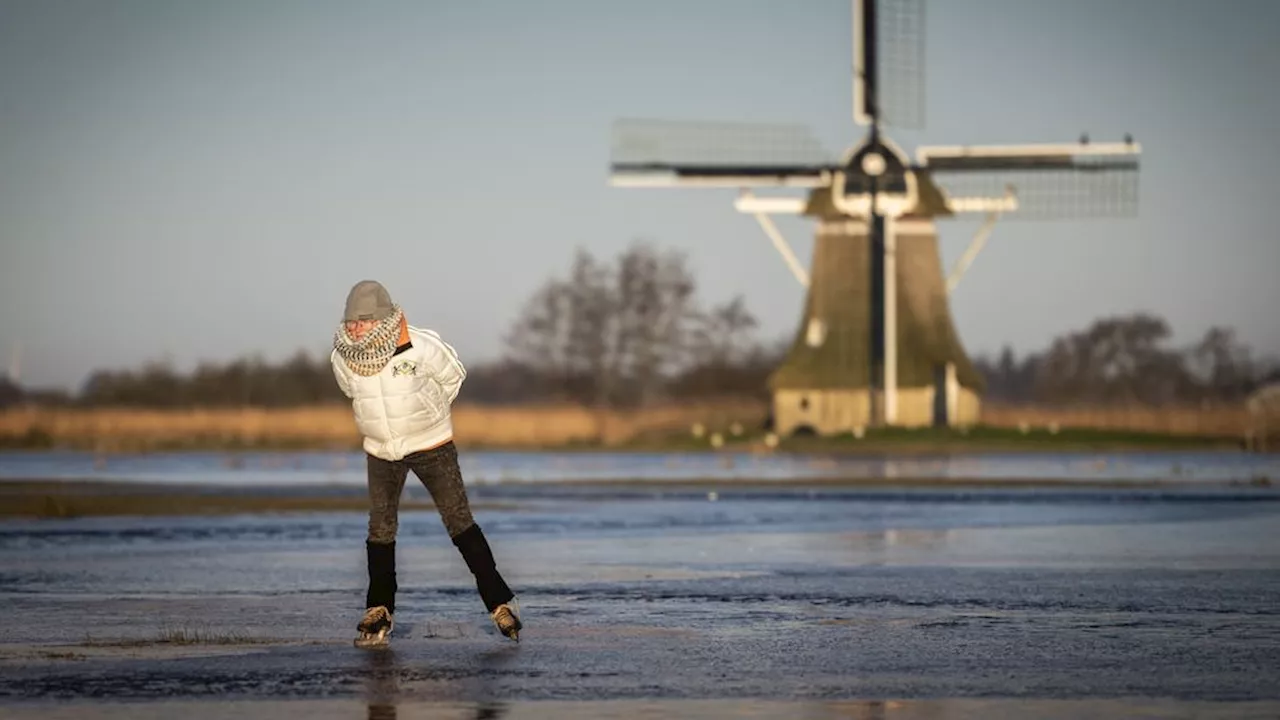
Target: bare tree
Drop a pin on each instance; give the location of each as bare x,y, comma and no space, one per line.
590,318
723,335
611,333
538,338
1222,366
656,292
1118,359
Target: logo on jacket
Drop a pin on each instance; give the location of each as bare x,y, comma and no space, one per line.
404,367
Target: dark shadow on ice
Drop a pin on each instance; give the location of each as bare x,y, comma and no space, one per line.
492,663
382,685
383,692
490,710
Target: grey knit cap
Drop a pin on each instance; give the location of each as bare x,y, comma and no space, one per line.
368,300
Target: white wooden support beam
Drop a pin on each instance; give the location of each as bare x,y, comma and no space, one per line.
1008,203
780,243
747,202
952,389
975,246
761,208
890,322
1042,150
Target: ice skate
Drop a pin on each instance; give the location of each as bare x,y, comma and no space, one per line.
508,622
374,627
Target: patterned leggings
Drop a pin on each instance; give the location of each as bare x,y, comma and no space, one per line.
438,470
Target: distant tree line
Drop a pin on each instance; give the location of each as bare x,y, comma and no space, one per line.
609,334
633,331
1128,360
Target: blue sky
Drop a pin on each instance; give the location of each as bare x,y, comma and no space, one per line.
204,180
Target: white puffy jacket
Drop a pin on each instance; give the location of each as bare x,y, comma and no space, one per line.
406,406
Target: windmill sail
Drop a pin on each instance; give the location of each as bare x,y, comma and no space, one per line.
666,152
889,63
1037,182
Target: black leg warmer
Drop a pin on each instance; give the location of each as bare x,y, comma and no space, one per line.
382,575
479,558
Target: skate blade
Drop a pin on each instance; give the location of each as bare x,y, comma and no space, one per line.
372,640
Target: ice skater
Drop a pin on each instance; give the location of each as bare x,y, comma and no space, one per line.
402,381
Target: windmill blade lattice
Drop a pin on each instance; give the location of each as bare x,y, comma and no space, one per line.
900,62
1047,185
710,150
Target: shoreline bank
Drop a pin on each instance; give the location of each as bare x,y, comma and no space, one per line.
79,498
921,442
730,425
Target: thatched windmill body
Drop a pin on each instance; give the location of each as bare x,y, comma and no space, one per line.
876,345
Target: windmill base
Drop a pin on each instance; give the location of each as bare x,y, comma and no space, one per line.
839,412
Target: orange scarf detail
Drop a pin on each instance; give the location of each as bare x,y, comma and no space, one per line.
404,332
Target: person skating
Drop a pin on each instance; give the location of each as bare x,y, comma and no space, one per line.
402,381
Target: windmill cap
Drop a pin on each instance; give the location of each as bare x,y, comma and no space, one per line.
368,300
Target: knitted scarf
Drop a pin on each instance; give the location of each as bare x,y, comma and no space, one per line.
368,355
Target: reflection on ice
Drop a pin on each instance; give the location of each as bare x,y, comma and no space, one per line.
347,469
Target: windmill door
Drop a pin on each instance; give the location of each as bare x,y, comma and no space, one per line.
940,418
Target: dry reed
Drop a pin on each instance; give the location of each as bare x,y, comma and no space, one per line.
1200,421
331,426
119,430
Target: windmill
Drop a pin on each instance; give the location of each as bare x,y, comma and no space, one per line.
877,345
